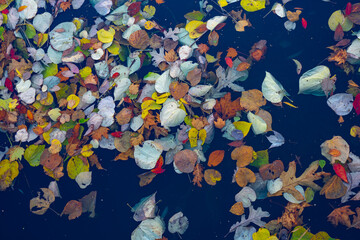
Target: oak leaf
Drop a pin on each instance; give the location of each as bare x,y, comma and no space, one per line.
203,48
290,181
171,56
341,215
339,56
216,158
125,155
291,216
225,108
199,123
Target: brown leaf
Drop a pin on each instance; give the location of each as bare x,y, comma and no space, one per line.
146,178
122,144
199,123
136,139
185,160
225,108
271,171
356,219
243,155
243,66
341,215
21,66
334,188
95,161
212,176
125,155
99,133
231,52
244,176
240,25
290,181
339,33
170,44
252,100
194,76
178,90
266,116
73,208
203,48
198,175
291,216
237,209
50,161
156,41
339,56
213,38
124,116
171,56
40,204
139,39
216,158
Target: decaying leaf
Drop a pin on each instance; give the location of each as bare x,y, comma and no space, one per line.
40,204
185,160
146,178
178,90
341,215
334,188
237,209
73,208
252,100
198,175
139,39
291,216
271,171
212,176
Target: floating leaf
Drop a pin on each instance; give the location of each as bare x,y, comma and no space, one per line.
77,165
244,176
40,204
243,155
334,188
185,160
8,172
216,158
33,153
212,176
72,208
139,39
237,209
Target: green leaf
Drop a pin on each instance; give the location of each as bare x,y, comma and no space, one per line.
50,70
75,166
33,154
123,53
301,232
16,153
30,31
2,30
4,104
262,159
309,194
68,125
195,15
20,45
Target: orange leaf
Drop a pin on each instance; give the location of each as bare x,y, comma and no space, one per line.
212,176
22,8
198,175
244,176
231,53
99,133
60,74
171,56
334,152
159,1
243,66
203,48
243,155
65,5
237,209
216,158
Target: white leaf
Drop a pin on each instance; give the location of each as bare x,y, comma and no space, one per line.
272,90
178,223
147,155
30,10
310,81
246,196
42,22
258,125
199,90
171,115
162,84
276,140
83,179
341,103
213,22
291,198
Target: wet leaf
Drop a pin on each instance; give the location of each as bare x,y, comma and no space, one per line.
194,76
212,176
341,215
244,176
139,39
33,153
16,153
185,160
243,155
73,208
178,90
198,175
334,188
146,178
252,100
216,158
237,209
40,204
213,38
8,172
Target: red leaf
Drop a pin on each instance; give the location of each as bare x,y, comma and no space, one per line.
340,171
134,8
356,104
229,62
117,134
157,169
304,23
348,9
9,85
115,75
220,26
339,33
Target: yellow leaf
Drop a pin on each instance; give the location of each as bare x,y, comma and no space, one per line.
355,131
13,104
262,234
149,25
252,5
148,105
210,58
243,126
55,146
150,10
222,3
41,39
193,133
86,150
54,114
48,100
106,36
202,136
84,72
46,136
160,99
8,172
114,48
75,166
191,26
73,101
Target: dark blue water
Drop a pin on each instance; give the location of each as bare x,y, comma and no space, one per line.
207,208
